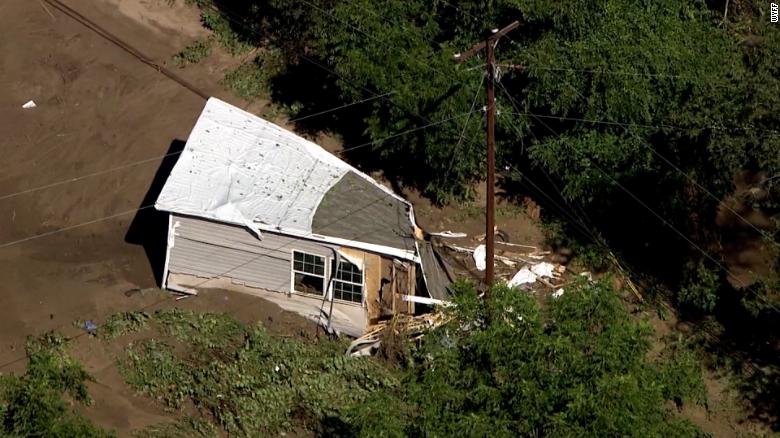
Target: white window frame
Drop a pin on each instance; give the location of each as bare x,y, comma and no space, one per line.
325,275
362,284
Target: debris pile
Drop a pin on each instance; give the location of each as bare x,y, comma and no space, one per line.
410,327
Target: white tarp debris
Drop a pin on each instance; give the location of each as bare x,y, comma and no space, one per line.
528,275
543,269
426,300
479,257
29,105
449,234
558,293
241,169
523,276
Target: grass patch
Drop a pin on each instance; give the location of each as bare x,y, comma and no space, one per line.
248,382
122,324
193,54
185,428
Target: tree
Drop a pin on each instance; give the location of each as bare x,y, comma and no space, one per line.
510,367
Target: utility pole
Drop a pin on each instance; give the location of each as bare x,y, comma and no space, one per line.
489,45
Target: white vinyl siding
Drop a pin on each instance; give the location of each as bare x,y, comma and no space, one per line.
210,249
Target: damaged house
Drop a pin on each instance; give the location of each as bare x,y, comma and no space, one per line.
257,209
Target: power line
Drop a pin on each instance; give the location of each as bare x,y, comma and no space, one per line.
681,234
49,233
172,154
108,36
463,131
641,125
659,155
167,298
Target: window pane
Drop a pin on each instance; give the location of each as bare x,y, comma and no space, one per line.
347,292
308,263
309,284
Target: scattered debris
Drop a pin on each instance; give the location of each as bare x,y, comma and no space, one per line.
449,234
425,300
479,257
558,293
543,269
89,326
523,276
413,327
29,105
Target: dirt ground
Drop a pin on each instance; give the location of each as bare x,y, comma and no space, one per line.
99,108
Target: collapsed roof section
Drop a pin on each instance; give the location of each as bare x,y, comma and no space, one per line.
240,169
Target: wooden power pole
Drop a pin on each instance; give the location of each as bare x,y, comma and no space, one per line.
489,45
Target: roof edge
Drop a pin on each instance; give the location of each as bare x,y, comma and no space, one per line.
381,249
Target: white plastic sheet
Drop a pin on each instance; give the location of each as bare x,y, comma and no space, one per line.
241,169
479,257
523,276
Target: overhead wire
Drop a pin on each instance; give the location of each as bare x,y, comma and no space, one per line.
671,226
651,148
222,274
124,213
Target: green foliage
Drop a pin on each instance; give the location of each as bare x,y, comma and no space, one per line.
193,54
32,405
651,95
248,382
513,368
223,33
184,428
123,323
700,292
250,80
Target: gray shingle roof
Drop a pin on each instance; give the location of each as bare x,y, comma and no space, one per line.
355,209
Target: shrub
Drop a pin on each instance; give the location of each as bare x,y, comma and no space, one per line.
702,285
32,405
246,381
193,54
514,368
250,80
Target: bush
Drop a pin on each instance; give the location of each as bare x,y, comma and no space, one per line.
193,54
246,381
250,80
32,405
577,367
701,289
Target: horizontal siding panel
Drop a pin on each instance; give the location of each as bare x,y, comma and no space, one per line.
211,249
204,260
232,236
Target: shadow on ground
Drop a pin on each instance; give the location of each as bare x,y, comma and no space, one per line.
149,227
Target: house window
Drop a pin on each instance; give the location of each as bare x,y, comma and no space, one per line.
348,282
308,273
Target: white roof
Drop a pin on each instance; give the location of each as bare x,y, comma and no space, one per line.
241,169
